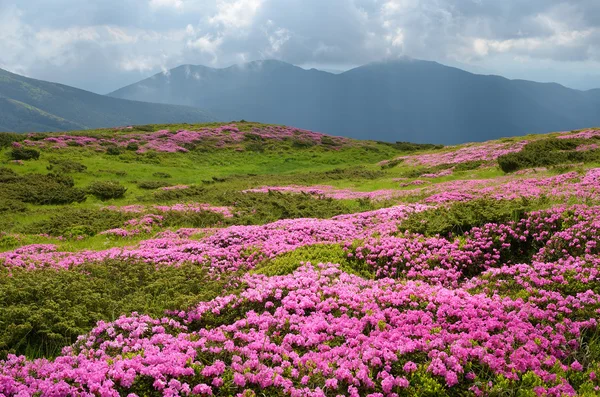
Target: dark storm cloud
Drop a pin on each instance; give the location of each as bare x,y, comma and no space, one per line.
101,45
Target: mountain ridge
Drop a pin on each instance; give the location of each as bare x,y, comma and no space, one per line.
28,104
405,99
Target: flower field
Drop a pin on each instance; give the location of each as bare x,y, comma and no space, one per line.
380,271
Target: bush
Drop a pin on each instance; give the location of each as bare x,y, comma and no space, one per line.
151,185
547,152
24,153
7,175
106,190
132,146
145,128
71,219
65,166
74,300
468,165
418,171
161,175
459,217
7,138
411,147
40,189
11,206
391,164
113,150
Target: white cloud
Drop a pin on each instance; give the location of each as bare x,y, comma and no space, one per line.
99,44
235,14
166,4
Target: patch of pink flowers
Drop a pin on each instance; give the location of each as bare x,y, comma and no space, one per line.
179,141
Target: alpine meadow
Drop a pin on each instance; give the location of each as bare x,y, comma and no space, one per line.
299,198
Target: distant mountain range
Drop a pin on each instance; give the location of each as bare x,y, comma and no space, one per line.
34,105
403,100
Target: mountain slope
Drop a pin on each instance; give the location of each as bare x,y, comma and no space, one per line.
407,100
34,105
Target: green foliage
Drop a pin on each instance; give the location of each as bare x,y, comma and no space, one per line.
547,152
391,164
195,219
113,150
163,175
63,223
152,185
319,253
132,146
145,128
106,190
468,165
65,166
41,189
7,175
461,217
74,300
411,147
418,171
24,153
7,138
8,206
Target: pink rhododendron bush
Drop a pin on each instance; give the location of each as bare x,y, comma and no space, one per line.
258,260
503,306
322,332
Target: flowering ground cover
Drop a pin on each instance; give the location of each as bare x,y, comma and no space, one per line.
358,277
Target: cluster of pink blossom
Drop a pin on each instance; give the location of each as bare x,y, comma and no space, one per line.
487,151
591,146
322,332
438,174
586,134
507,187
171,142
223,250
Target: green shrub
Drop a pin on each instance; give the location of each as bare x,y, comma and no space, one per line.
70,219
411,147
461,217
11,206
468,165
391,164
24,153
43,190
113,150
65,166
161,175
255,147
7,175
74,300
151,185
547,152
192,219
106,190
7,138
132,146
145,128
418,171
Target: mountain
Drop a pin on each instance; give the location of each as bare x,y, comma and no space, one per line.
401,100
34,105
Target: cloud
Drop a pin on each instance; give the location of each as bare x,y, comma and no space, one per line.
102,45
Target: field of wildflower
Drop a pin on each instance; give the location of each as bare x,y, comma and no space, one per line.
244,259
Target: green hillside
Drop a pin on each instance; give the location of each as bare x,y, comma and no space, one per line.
28,105
253,259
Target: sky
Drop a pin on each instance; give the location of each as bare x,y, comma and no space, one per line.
103,45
